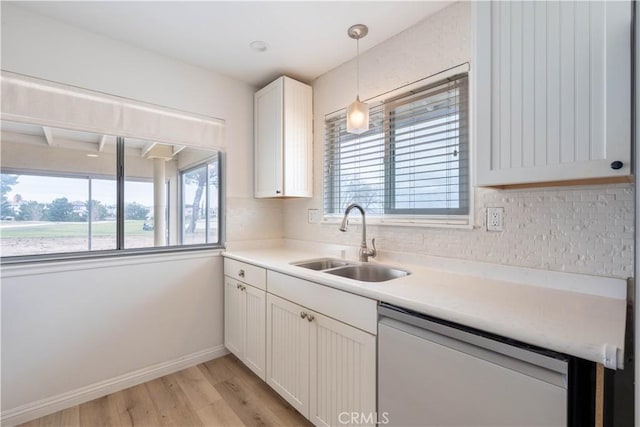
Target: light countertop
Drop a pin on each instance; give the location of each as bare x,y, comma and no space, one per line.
574,314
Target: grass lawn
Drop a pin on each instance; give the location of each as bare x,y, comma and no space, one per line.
53,230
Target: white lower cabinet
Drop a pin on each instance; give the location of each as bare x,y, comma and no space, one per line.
244,323
288,333
233,317
342,374
324,368
313,344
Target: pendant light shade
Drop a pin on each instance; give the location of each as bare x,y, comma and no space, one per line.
358,112
358,117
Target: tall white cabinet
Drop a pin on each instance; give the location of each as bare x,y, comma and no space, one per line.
283,121
552,91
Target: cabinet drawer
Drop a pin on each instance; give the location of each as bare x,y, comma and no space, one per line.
247,273
351,309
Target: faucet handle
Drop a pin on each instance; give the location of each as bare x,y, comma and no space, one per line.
373,252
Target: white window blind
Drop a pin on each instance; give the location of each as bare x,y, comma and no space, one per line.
413,161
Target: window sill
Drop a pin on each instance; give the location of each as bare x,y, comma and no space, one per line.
452,223
107,254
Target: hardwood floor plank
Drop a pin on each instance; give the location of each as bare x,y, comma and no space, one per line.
219,413
119,411
98,413
242,404
69,417
216,370
266,396
221,392
197,388
171,403
137,407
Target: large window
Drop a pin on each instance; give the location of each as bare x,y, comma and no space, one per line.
413,161
67,192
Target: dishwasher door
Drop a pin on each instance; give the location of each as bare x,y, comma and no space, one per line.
436,375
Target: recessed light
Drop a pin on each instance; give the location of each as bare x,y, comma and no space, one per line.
258,45
92,155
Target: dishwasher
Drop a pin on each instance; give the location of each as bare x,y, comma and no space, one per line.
435,373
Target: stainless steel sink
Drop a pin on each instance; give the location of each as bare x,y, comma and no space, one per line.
350,270
368,272
321,263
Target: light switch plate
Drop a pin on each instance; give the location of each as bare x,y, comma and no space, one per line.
313,216
495,218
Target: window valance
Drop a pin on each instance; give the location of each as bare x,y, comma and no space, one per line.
32,100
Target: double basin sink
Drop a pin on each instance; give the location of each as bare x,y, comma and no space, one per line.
350,270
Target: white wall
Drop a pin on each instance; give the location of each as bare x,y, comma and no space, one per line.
69,330
582,229
64,334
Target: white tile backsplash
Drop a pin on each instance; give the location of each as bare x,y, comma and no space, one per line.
254,219
583,229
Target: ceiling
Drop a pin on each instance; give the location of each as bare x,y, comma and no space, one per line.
305,38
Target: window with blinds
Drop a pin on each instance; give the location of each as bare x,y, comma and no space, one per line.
413,161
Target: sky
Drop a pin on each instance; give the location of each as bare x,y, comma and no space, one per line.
46,189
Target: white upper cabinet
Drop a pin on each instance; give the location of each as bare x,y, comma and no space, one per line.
283,139
552,86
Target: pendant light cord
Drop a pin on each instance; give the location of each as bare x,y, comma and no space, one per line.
358,68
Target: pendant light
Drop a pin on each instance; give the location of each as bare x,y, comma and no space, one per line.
358,112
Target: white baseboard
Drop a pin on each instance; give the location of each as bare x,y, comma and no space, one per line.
47,406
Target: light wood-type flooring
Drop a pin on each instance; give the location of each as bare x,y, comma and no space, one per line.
221,392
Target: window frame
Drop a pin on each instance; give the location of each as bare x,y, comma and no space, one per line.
389,160
209,161
120,250
461,217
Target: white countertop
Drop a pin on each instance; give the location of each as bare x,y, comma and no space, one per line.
573,314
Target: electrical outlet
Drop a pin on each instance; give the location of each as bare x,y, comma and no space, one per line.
313,216
494,219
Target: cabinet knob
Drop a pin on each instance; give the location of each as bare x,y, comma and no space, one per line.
310,318
238,286
616,165
241,273
243,288
303,314
278,191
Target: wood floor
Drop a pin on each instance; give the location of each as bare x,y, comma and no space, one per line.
221,392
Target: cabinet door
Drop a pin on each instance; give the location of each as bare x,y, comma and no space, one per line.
288,352
298,139
343,374
268,110
552,91
234,317
255,330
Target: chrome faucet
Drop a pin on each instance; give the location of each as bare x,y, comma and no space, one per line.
364,253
